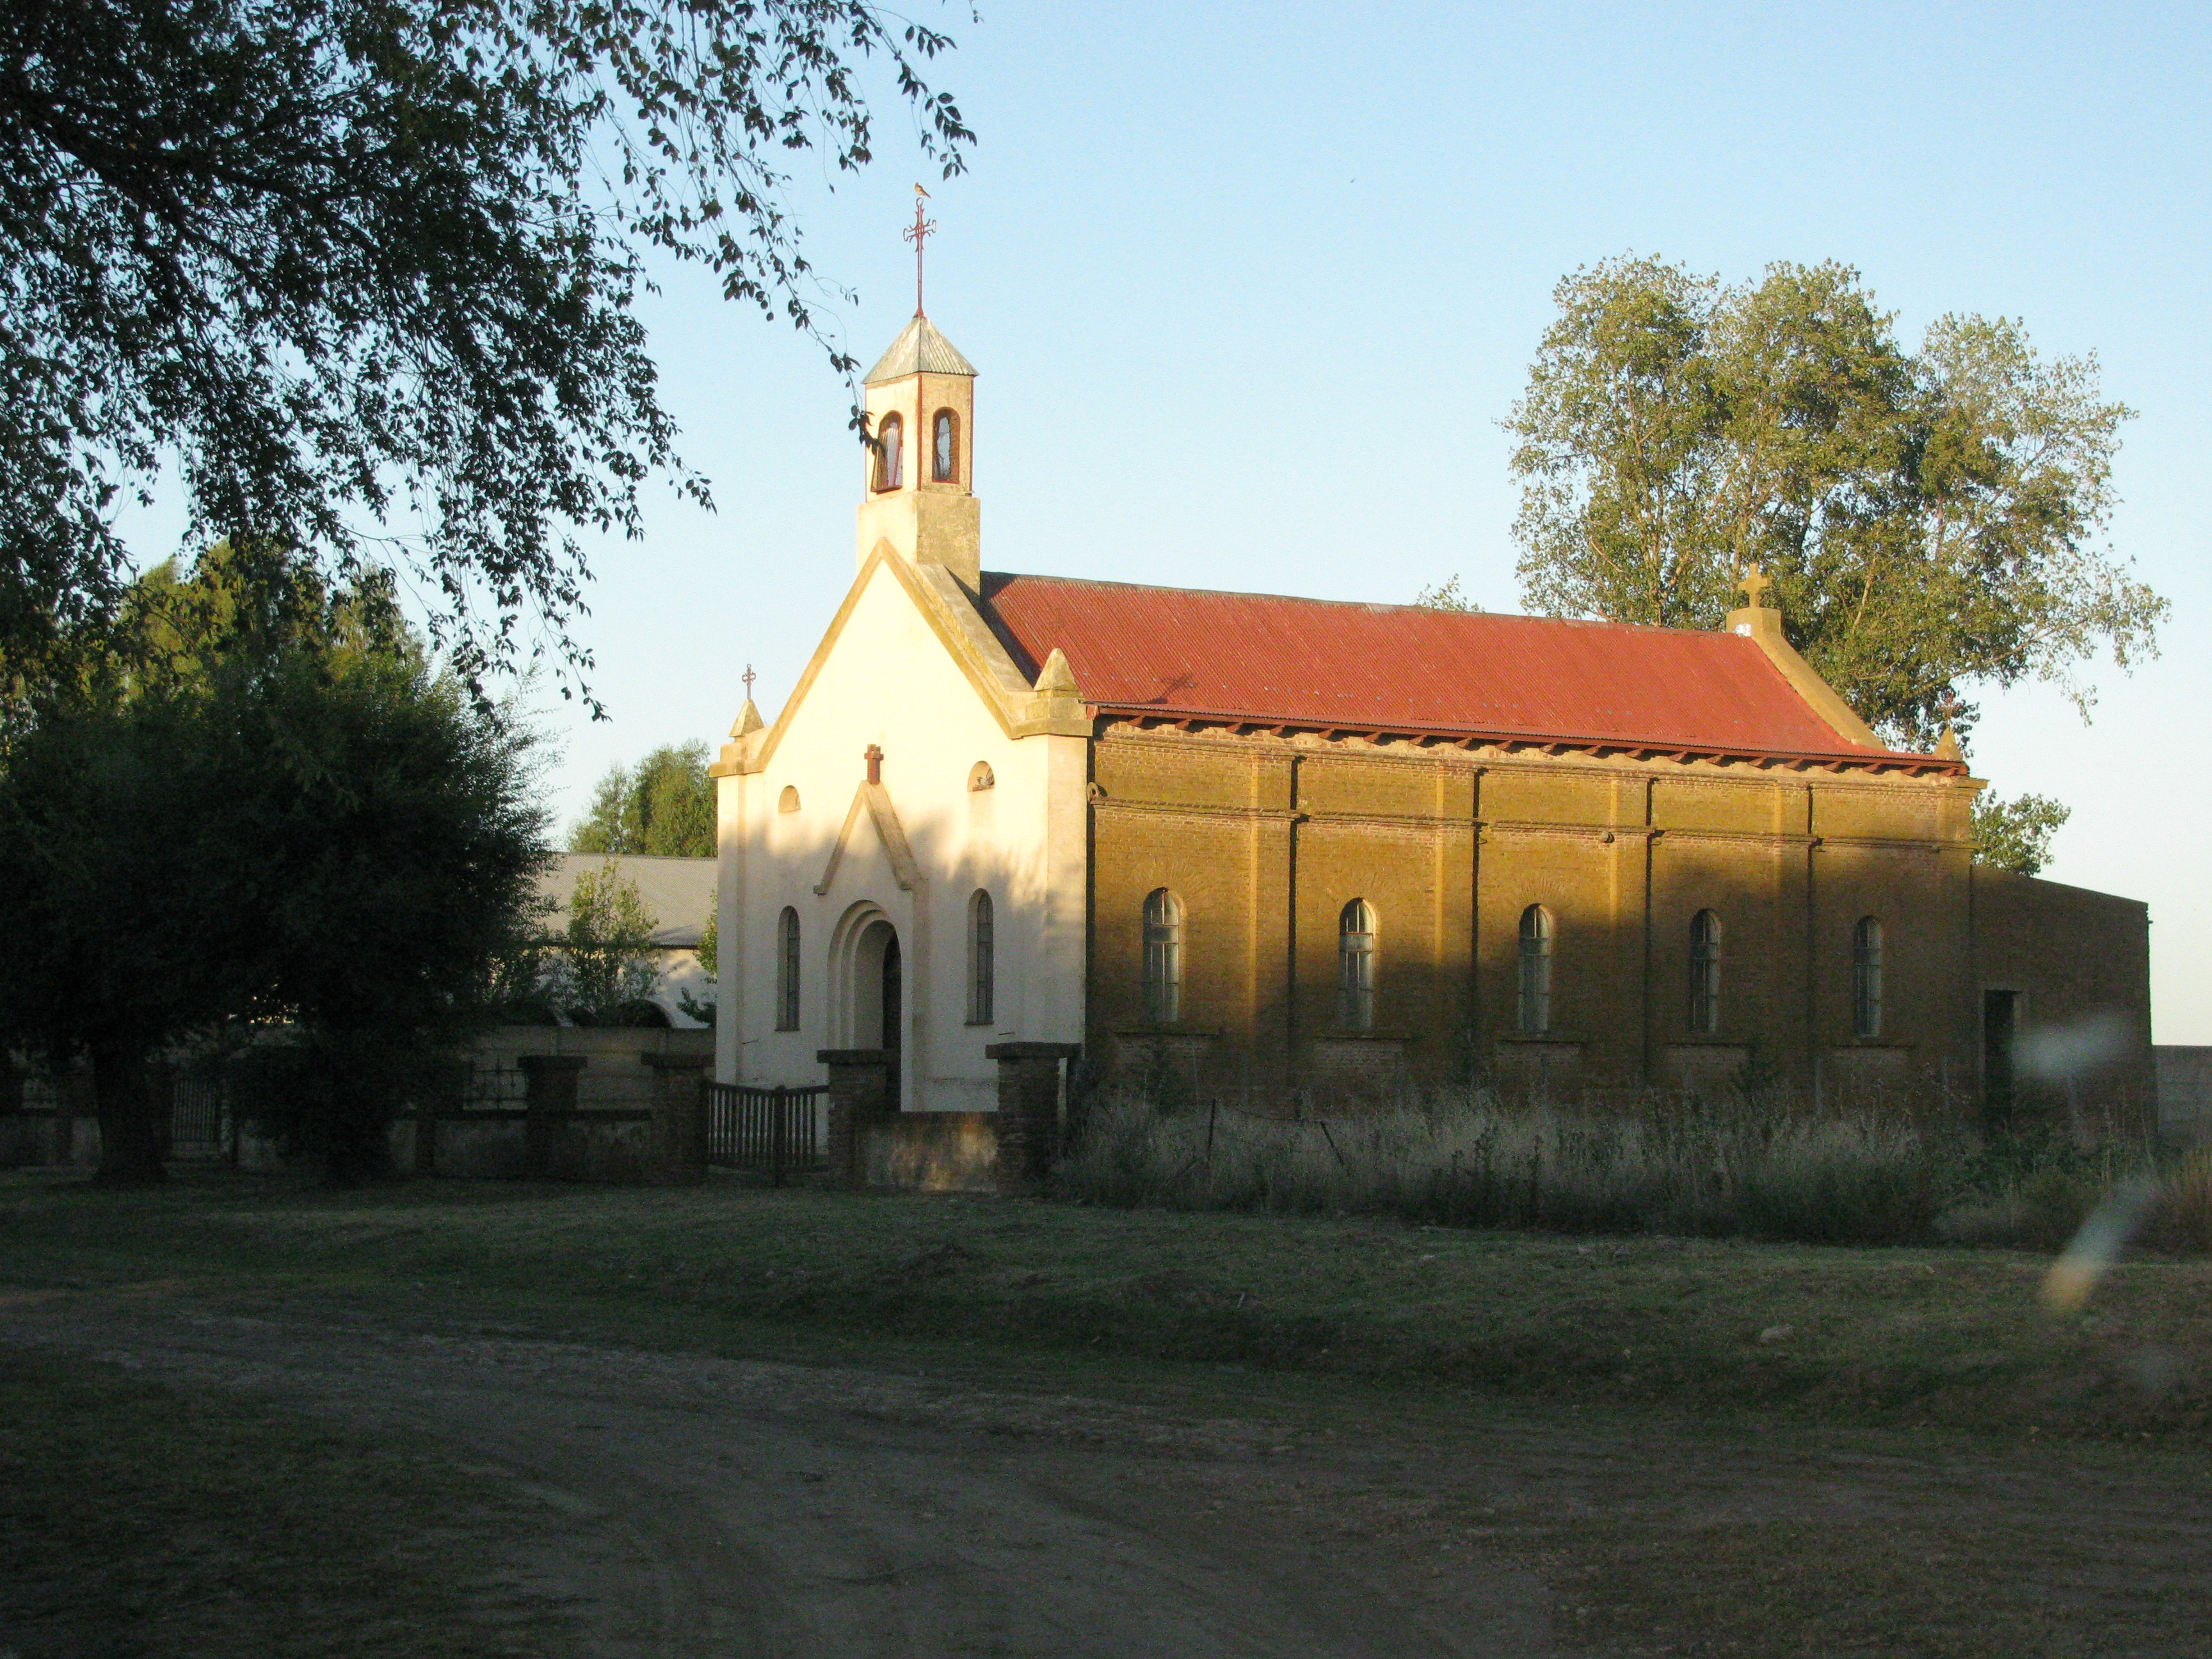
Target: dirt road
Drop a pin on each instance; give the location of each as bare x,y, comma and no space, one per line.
716,1507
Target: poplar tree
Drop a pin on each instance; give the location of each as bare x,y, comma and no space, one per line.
1933,520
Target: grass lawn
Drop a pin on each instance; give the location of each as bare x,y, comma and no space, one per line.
248,1531
1893,1337
137,1520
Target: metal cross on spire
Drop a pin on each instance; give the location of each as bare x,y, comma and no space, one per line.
749,676
918,233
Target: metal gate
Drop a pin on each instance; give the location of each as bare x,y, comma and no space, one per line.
199,1120
773,1132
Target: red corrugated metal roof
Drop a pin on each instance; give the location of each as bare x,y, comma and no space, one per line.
1261,658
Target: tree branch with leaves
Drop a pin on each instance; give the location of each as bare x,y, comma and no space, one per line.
361,274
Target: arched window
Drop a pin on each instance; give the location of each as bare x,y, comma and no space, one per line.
943,447
1866,978
787,970
1705,973
889,434
1535,970
980,776
1355,966
1163,956
788,800
981,970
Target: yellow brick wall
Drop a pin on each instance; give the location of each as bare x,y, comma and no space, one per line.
1267,838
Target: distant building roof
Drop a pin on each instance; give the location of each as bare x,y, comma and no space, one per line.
1258,658
919,349
679,892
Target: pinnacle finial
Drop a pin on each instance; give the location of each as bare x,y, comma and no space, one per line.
1057,679
1947,744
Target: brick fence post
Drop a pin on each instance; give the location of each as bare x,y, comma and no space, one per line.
548,1090
76,1127
859,1094
447,1093
1029,1104
679,1116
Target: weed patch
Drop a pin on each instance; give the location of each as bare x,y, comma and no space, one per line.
1730,1168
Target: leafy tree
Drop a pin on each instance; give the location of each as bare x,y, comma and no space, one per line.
605,964
710,963
1445,595
2015,834
303,830
1929,519
114,934
360,273
664,806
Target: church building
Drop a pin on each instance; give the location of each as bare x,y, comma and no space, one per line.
1249,841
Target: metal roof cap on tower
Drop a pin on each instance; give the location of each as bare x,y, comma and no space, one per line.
919,350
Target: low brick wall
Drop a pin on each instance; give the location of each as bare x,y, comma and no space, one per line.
934,1153
617,1105
616,1076
870,1146
43,1136
484,1146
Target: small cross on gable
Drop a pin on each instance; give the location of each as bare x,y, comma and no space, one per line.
1753,583
874,756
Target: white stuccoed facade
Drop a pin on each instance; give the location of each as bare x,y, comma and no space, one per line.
907,668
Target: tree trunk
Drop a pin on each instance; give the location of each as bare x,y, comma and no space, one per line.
129,1122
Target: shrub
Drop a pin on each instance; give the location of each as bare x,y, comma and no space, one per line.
1746,1166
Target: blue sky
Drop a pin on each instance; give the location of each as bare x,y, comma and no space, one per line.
1250,289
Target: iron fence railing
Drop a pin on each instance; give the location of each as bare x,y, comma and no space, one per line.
199,1118
774,1132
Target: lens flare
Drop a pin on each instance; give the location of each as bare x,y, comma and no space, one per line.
2097,1246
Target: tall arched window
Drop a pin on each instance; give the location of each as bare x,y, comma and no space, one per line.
945,447
787,970
981,969
1535,970
889,434
1355,966
1705,973
1866,978
1163,956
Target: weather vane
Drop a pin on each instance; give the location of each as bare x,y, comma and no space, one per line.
918,233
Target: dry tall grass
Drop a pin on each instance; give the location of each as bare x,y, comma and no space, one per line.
1741,1167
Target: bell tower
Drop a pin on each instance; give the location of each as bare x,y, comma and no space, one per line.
918,491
